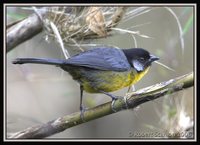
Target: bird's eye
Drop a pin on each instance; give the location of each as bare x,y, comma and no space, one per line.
141,58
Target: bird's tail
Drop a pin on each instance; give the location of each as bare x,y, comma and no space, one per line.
39,61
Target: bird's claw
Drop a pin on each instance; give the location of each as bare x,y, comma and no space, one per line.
125,101
112,105
116,98
82,109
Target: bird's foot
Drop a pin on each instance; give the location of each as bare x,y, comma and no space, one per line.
114,98
125,101
82,109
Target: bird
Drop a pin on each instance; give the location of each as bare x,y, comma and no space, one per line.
102,70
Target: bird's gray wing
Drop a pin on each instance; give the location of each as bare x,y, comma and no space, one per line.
102,59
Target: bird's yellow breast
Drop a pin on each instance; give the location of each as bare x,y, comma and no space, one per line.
110,81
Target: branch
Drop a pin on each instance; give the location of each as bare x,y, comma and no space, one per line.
23,30
133,100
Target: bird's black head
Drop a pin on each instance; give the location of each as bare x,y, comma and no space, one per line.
139,58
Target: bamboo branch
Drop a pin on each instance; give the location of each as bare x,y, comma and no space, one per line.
133,100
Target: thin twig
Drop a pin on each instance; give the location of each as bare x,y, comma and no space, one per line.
59,39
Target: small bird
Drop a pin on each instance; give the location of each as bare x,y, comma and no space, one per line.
102,70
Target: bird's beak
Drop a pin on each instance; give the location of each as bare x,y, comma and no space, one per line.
153,58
